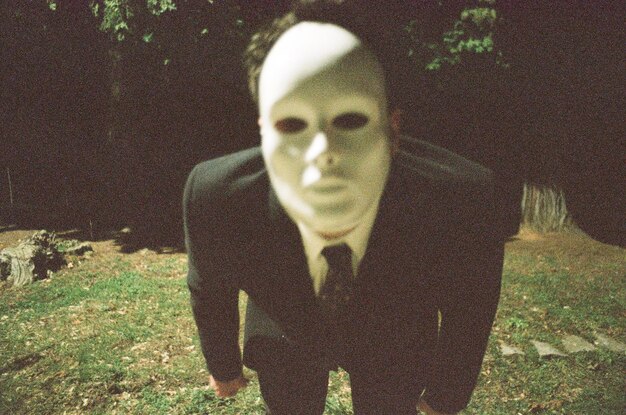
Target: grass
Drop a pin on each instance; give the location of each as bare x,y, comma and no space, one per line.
114,335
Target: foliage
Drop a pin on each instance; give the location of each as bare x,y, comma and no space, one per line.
471,33
158,7
136,20
117,15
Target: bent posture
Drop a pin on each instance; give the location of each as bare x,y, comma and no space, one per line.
358,248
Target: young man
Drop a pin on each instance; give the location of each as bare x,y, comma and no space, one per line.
354,252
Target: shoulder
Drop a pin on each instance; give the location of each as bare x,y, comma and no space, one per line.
442,175
455,192
227,191
440,167
226,176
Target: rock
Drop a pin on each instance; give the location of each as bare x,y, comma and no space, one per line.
575,344
610,344
507,350
546,350
79,249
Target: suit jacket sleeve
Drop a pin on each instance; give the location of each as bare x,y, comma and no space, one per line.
214,293
467,305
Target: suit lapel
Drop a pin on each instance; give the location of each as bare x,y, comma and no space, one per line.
399,232
287,295
289,264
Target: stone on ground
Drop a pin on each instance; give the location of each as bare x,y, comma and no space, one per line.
575,344
508,350
79,249
546,349
610,343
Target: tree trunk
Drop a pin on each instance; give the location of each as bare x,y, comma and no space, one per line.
544,209
30,260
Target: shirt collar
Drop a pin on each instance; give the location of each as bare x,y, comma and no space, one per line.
357,240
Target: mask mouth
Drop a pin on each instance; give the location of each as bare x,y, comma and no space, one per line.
329,184
328,190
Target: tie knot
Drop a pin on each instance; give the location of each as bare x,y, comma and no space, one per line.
339,257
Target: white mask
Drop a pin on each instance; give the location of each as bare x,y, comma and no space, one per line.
325,133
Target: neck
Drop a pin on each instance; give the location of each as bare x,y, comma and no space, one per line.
334,235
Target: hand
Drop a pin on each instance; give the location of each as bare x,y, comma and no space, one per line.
424,407
229,388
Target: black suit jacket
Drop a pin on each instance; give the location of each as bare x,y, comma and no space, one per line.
434,253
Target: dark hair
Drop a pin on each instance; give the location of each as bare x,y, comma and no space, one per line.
372,22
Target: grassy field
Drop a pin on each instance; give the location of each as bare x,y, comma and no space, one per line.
113,334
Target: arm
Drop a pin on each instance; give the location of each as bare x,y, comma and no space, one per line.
214,295
468,305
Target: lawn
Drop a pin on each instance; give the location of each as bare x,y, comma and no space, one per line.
113,334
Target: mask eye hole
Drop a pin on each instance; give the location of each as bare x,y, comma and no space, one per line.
291,125
350,121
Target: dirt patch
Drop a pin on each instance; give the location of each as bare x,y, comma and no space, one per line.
9,237
582,254
565,243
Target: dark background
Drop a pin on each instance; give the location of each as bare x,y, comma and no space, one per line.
105,111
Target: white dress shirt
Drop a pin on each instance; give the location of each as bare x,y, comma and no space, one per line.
357,240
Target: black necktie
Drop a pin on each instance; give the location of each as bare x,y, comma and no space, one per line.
337,291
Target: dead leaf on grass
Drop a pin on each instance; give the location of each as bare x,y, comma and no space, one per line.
552,405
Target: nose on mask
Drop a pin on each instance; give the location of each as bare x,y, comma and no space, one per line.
325,160
320,152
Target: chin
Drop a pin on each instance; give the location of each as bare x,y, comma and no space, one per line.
334,224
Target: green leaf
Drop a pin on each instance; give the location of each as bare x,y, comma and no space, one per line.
434,65
95,8
158,7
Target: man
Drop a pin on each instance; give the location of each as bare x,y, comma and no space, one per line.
354,252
